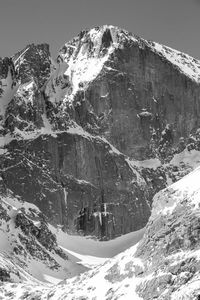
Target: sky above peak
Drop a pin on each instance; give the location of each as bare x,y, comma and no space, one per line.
175,23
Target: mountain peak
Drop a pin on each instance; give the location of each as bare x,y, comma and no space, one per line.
98,39
33,62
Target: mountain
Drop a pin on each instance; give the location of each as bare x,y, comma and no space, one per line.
87,141
165,264
79,136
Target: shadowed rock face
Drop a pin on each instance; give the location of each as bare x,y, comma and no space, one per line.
107,91
138,94
78,184
34,63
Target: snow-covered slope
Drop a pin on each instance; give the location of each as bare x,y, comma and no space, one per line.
164,265
186,190
28,248
82,60
112,279
187,64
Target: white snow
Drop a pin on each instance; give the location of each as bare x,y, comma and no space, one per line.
86,260
152,163
65,196
8,92
88,246
4,140
86,253
186,64
18,60
186,291
51,279
101,283
76,129
132,165
47,129
82,67
186,189
191,158
113,149
33,268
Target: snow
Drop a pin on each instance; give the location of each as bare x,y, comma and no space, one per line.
47,129
55,92
76,129
104,249
86,253
51,279
186,189
113,277
81,68
8,92
186,64
189,185
33,268
131,164
65,196
86,260
83,252
186,291
84,66
152,163
17,205
100,218
18,60
113,149
105,213
192,158
99,283
4,140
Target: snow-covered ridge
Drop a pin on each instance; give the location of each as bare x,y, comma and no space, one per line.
186,189
185,63
80,61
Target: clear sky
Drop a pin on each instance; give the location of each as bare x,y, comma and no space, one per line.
175,23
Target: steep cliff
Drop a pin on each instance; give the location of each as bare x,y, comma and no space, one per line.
141,96
80,136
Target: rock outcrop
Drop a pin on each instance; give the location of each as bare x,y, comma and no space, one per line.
171,242
27,241
72,130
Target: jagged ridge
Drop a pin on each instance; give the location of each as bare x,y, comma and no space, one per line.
109,94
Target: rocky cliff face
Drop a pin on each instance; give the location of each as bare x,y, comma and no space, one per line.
72,130
143,100
172,242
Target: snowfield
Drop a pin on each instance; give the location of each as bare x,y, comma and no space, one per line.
186,189
116,277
